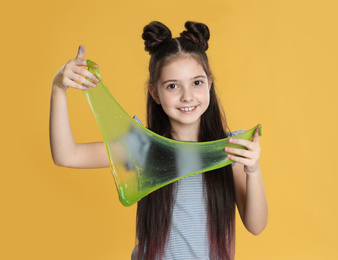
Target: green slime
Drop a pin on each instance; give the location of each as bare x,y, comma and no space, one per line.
142,161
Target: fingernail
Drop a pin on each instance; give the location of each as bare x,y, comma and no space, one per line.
231,140
97,80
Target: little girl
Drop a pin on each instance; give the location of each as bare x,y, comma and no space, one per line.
193,218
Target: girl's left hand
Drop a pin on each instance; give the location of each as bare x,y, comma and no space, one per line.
250,157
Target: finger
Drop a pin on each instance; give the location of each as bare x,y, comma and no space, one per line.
240,160
86,73
82,80
241,142
256,136
246,162
72,84
240,152
80,52
69,66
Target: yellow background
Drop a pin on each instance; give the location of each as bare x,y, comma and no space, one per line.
275,63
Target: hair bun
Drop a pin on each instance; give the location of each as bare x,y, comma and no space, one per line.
153,34
197,32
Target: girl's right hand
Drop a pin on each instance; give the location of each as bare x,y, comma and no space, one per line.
73,75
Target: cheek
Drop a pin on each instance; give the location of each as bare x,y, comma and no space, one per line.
205,96
207,103
167,100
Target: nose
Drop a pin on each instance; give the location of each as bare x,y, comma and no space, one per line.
187,95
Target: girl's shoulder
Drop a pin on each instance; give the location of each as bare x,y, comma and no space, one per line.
137,119
230,134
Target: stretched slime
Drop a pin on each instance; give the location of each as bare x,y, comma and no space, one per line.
142,161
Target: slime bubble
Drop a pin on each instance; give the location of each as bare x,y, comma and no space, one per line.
142,161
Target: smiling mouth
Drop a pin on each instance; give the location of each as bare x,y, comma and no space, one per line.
186,109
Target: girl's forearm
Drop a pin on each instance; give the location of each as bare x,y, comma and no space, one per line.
60,134
65,151
256,207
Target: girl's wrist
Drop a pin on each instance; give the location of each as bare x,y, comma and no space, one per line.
57,88
253,172
57,81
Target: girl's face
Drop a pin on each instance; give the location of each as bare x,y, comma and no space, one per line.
183,92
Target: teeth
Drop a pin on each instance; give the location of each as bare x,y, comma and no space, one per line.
187,108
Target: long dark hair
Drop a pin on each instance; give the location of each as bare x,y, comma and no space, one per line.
154,212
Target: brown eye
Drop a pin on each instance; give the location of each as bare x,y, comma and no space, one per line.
198,83
172,86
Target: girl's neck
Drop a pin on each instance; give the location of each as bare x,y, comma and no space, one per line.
186,133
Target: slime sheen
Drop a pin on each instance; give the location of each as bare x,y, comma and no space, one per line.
142,161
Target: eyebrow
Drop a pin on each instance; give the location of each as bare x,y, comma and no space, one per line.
174,80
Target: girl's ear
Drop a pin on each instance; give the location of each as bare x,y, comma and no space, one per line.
153,93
